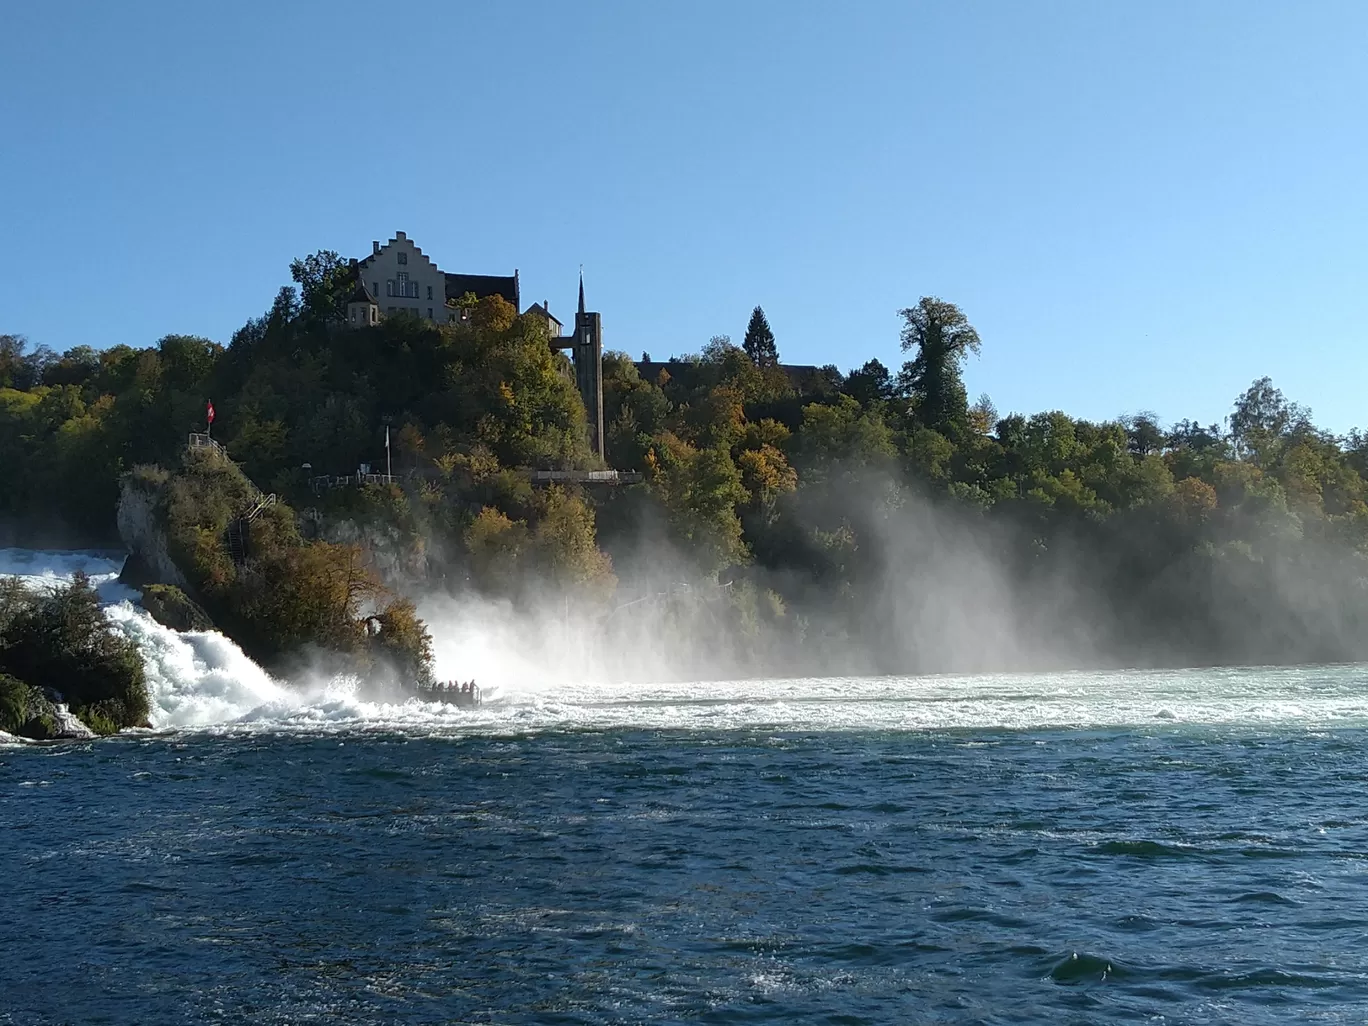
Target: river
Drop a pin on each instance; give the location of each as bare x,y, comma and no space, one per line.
1176,847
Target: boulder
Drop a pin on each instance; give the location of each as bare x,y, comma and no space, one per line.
29,712
171,607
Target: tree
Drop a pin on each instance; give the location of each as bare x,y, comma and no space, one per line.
1144,435
325,282
12,360
871,383
759,342
983,415
1262,419
701,491
941,335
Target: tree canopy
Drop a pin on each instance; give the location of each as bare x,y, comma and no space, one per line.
825,507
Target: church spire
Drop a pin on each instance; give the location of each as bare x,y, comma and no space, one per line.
581,306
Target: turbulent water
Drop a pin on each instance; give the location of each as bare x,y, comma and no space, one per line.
1180,847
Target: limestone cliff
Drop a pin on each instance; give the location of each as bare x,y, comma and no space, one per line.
143,535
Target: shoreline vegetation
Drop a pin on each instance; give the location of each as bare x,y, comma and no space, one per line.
787,519
58,650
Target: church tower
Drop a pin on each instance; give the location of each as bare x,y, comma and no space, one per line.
588,356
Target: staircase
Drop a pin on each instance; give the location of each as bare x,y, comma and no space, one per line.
235,537
238,532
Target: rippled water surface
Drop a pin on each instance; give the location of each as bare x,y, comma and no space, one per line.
1159,872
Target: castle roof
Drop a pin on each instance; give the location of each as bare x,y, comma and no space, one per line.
360,294
543,310
457,285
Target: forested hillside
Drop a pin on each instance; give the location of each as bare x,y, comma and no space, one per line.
876,520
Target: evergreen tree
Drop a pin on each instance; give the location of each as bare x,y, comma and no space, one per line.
759,342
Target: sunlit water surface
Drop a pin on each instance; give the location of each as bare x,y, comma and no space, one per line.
1179,847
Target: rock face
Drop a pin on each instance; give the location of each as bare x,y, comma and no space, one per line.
145,540
401,564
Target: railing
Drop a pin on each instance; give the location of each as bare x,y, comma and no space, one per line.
605,477
325,482
348,480
205,441
263,502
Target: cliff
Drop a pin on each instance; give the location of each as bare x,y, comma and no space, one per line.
142,533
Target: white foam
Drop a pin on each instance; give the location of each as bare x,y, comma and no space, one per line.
197,678
194,679
203,681
45,569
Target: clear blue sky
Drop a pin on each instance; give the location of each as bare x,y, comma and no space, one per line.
1138,205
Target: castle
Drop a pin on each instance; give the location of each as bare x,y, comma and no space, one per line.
412,285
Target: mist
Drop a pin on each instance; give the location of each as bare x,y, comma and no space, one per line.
940,587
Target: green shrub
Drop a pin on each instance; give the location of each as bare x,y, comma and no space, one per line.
62,641
100,718
14,704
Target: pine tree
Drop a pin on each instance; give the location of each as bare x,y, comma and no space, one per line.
759,343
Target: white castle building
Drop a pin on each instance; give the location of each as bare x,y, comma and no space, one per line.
398,278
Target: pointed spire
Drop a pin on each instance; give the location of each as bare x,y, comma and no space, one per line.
581,306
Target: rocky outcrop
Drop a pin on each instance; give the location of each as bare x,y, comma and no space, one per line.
149,557
401,562
171,607
69,728
38,714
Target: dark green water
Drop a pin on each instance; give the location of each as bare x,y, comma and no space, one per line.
1175,874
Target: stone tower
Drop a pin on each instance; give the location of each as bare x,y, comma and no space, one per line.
587,347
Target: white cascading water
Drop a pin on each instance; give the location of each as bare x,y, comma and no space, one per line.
193,679
203,681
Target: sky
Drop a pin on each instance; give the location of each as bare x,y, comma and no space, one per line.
1141,206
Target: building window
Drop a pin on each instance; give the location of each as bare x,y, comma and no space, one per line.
403,257
400,287
429,313
375,288
429,296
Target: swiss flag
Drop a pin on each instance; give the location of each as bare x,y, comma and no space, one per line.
209,411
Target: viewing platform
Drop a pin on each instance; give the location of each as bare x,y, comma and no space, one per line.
598,477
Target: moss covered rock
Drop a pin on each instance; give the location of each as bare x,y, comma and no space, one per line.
171,607
26,712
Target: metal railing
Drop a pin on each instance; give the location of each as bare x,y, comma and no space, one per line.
606,477
349,480
205,441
